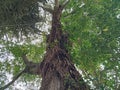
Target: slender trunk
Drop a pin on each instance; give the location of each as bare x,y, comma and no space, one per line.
58,72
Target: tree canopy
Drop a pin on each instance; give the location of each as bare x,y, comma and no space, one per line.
93,28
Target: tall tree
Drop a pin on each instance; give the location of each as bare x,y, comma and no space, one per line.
88,38
56,69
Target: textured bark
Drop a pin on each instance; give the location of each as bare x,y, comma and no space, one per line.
58,72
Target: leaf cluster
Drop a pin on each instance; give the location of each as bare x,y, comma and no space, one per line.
94,32
19,16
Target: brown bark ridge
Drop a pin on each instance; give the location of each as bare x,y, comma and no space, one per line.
57,70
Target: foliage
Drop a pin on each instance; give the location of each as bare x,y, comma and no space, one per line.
19,16
94,33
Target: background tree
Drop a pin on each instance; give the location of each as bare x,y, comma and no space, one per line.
93,32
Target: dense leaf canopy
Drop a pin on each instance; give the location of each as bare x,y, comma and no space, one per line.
95,33
20,16
94,36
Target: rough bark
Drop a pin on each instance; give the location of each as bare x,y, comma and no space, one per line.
57,70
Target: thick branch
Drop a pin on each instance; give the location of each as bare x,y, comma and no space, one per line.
31,67
14,79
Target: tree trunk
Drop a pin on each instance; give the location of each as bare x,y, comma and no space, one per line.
58,72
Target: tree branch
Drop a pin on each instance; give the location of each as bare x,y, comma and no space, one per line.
34,69
56,3
14,79
25,59
31,67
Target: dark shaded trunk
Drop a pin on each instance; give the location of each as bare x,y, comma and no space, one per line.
58,72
